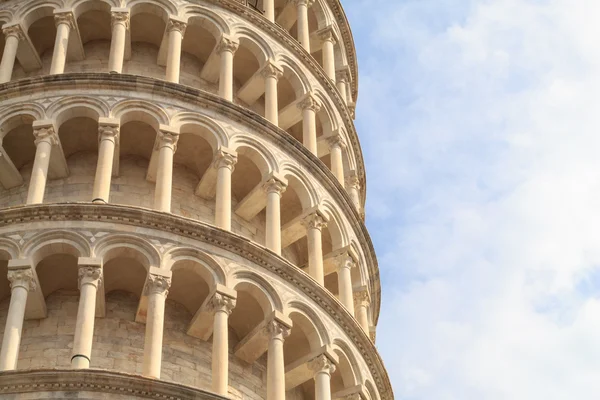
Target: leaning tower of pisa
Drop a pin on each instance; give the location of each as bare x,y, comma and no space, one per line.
181,203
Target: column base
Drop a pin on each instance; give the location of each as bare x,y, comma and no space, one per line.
99,201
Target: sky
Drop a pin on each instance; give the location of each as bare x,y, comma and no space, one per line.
480,126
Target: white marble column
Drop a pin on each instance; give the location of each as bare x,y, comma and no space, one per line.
120,25
343,77
336,147
108,136
275,361
361,307
314,224
275,189
167,144
353,188
322,367
226,49
310,106
65,21
13,34
176,30
269,9
222,306
302,23
156,288
45,138
271,73
90,277
344,271
22,282
327,36
224,163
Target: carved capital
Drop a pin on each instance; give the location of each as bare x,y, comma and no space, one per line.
306,3
335,141
157,284
274,185
343,74
14,30
225,159
310,102
321,364
22,278
270,70
176,25
108,132
227,44
45,134
120,17
66,18
90,275
315,221
277,330
221,302
327,35
362,297
346,262
167,139
352,182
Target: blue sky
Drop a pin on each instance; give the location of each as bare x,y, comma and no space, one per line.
480,124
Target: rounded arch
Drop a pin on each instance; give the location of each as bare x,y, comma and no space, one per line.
189,122
348,365
19,114
336,226
34,11
160,8
8,249
372,390
260,288
257,45
5,17
310,323
74,107
300,183
208,268
129,246
326,114
320,10
140,111
82,6
294,75
260,155
211,21
46,243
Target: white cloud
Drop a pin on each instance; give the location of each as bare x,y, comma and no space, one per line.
481,127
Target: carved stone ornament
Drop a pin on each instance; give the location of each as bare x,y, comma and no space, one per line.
352,182
22,278
167,139
274,185
220,302
46,134
362,298
120,17
175,25
157,284
225,159
14,30
310,103
327,35
306,3
315,221
227,44
336,141
91,275
108,132
271,70
277,330
321,364
346,262
66,18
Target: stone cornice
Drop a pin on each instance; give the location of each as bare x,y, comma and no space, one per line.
97,381
198,97
196,230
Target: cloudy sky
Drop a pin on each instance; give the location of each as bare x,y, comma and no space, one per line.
480,122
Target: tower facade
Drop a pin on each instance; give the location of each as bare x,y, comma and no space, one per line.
181,203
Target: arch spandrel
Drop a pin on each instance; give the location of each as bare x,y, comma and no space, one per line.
130,246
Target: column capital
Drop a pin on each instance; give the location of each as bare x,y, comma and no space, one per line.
225,158
362,297
22,277
372,334
277,330
167,137
310,102
13,30
271,70
227,43
120,16
275,184
307,3
108,131
315,220
176,24
222,302
352,181
321,364
343,74
64,17
336,140
90,275
327,34
45,132
158,282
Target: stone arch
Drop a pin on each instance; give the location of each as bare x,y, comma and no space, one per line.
141,111
260,155
336,226
209,268
64,110
294,75
257,45
8,249
372,390
160,8
311,321
271,301
5,17
82,6
33,11
326,116
190,121
117,245
320,10
55,242
360,274
19,114
212,21
348,367
298,181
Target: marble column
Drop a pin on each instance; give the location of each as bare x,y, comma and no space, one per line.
22,282
328,38
275,362
322,367
336,146
361,304
90,278
120,25
271,73
274,188
167,144
302,23
344,271
224,163
108,136
314,224
310,106
176,30
226,49
269,9
343,77
353,188
65,21
156,288
13,34
45,138
222,306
